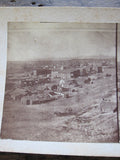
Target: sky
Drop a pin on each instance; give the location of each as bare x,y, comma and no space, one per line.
37,41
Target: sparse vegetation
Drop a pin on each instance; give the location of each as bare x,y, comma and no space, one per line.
72,108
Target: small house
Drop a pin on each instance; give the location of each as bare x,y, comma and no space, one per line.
75,74
84,72
100,69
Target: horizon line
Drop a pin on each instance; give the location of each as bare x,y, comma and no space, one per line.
65,58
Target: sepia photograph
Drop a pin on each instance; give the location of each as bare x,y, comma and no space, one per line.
61,83
118,71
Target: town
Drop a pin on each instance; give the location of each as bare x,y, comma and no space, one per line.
50,82
75,97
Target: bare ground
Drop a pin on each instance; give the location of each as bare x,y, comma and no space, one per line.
75,119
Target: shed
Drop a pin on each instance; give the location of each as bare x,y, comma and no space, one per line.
100,69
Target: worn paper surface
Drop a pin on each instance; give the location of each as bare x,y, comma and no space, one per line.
60,83
47,147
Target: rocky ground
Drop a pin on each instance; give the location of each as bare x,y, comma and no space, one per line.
75,119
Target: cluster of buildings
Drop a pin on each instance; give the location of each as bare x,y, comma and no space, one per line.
50,83
43,76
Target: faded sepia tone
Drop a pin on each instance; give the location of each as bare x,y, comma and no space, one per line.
60,83
118,71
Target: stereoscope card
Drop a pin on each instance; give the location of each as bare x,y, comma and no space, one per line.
60,83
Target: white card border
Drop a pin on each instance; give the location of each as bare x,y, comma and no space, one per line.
52,14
